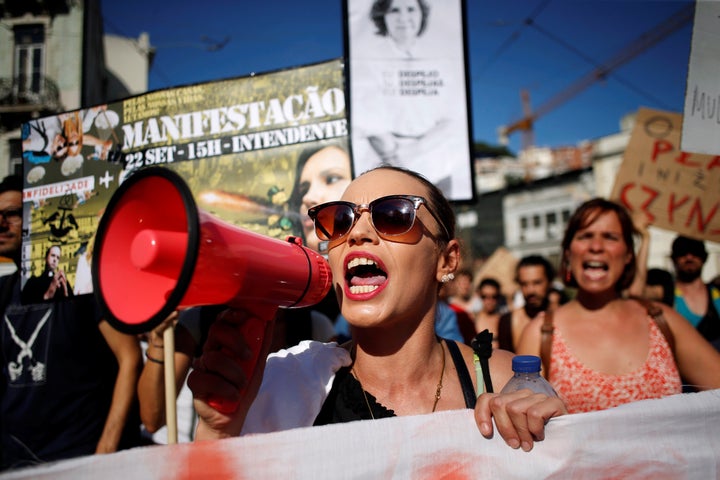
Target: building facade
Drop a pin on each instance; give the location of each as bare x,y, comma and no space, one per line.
55,58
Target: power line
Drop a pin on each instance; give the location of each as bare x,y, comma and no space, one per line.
627,83
641,44
515,35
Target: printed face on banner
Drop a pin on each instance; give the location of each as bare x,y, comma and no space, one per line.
408,90
255,152
678,191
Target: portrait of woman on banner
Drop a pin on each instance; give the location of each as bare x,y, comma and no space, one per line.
408,92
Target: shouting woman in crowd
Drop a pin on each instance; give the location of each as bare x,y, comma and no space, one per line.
391,245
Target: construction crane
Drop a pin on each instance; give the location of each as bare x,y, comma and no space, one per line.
645,41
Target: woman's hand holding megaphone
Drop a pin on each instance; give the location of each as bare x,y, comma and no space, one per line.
227,377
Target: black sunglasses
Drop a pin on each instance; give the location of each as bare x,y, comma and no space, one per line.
390,216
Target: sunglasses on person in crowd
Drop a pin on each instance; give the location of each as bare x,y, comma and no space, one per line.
390,216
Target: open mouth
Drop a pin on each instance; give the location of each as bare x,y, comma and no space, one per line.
595,269
363,275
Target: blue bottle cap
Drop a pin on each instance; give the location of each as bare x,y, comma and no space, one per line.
526,363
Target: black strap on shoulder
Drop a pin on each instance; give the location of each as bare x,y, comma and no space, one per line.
463,374
546,336
482,345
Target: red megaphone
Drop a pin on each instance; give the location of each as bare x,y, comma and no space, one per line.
155,252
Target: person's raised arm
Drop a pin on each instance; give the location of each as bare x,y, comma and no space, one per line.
641,223
151,386
697,359
126,349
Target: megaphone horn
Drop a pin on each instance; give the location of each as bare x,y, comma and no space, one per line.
156,252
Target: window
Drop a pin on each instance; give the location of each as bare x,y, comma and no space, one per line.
551,225
29,53
15,161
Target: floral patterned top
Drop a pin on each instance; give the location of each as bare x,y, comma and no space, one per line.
585,390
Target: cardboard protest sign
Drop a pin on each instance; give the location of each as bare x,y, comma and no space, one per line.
238,143
501,266
677,190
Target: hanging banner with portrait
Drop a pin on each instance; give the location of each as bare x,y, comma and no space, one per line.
408,90
244,146
677,191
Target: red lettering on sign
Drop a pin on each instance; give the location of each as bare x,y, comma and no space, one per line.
714,163
623,195
652,194
684,159
673,205
661,146
696,210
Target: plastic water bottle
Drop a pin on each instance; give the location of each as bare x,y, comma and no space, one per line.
527,375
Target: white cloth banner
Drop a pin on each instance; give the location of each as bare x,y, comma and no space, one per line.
676,437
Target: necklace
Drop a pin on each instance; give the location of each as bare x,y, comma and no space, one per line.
438,391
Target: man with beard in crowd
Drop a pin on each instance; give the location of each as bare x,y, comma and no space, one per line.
534,275
698,302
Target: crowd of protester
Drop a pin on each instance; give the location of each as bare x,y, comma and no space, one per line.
605,326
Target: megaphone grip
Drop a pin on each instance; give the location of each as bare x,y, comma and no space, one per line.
254,332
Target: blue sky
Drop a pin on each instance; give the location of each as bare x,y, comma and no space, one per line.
565,41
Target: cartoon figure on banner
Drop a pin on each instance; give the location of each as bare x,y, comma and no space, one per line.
46,144
75,131
61,138
42,141
62,221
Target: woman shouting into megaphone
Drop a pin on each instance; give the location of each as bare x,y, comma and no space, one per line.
391,246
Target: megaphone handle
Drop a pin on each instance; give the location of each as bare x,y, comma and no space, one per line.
170,387
253,331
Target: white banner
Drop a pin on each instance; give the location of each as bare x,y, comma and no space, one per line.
408,90
676,437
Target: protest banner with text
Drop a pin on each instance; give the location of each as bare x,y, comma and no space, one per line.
236,142
677,190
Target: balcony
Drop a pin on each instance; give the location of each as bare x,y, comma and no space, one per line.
17,8
21,101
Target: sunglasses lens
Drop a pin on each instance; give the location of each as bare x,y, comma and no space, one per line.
393,216
333,221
